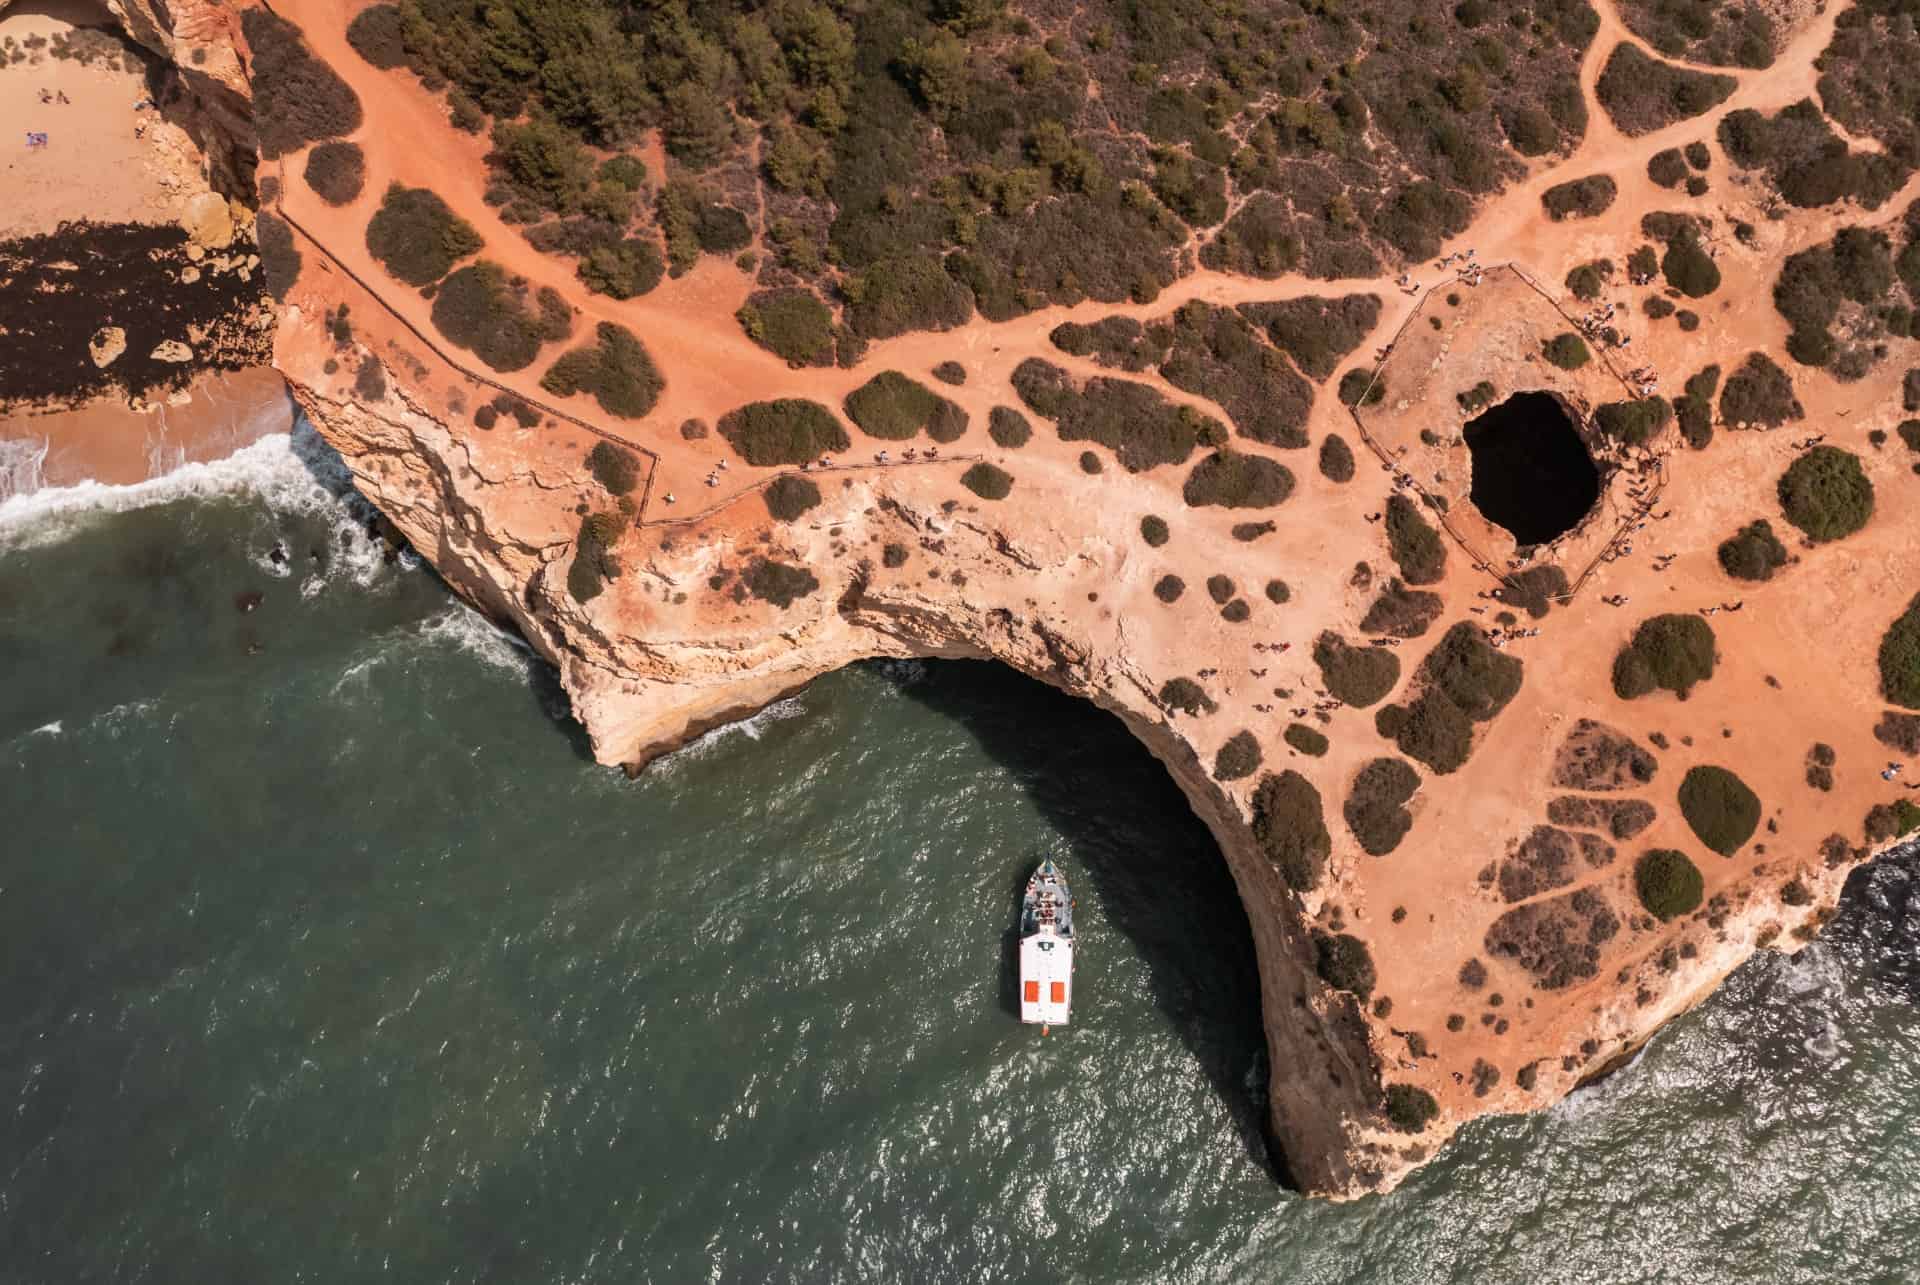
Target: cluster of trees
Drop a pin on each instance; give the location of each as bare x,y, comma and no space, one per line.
1643,94
615,369
1856,271
1807,163
1726,35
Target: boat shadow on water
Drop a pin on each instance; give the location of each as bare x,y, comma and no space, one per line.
1138,857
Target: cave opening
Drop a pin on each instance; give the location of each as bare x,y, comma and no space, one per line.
1532,473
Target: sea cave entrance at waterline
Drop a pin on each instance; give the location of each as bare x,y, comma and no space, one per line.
1532,473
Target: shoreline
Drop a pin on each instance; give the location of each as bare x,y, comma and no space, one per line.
109,442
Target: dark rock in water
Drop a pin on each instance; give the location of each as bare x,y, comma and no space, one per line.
279,555
247,599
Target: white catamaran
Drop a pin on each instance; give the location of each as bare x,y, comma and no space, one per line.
1046,948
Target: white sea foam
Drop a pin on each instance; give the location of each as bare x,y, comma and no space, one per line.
465,629
21,460
49,729
291,472
753,728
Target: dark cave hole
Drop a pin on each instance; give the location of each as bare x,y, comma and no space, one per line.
1531,472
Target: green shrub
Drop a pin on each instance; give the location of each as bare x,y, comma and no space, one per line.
950,372
1535,590
1130,419
614,467
1169,588
1477,398
297,99
1826,493
1887,821
789,496
988,481
1360,676
1476,678
1568,351
1008,428
625,270
1670,652
378,34
1589,281
1581,198
1216,353
1187,697
1667,168
593,561
1336,458
1090,463
1343,962
1375,809
1688,268
792,323
777,582
1411,1109
1247,532
1900,660
1277,592
1759,393
1362,387
1719,807
1643,95
1668,883
1316,333
1415,545
336,172
1154,530
1220,588
1230,479
1694,408
279,257
414,236
1633,423
1402,612
625,171
911,292
788,430
370,381
1432,730
1290,828
616,370
1239,757
1305,739
894,408
1754,553
476,309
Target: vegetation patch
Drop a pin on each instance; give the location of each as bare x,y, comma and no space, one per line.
787,430
1541,862
1759,394
594,563
894,408
1688,267
1410,1109
1362,386
792,323
778,582
1120,343
614,467
1620,818
1376,809
1402,612
1568,351
1344,963
1643,95
1720,808
1431,730
1589,281
1900,662
1807,163
1694,408
1239,757
1414,544
789,496
1581,198
1168,588
1186,696
1318,333
1826,494
1008,428
1557,941
478,309
1535,590
1597,757
1668,883
1307,740
988,481
950,372
1889,821
1754,553
1819,766
1289,825
416,237
1670,652
616,370
1736,35
1633,423
1667,168
1359,676
1336,458
1136,423
1234,480
1217,354
336,172
297,99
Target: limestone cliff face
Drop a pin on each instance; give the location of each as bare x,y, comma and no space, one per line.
643,676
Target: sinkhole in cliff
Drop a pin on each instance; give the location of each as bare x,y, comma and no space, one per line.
1531,471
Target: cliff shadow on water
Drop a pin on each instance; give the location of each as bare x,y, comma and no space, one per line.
1150,864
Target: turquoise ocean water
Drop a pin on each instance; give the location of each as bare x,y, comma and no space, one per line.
329,956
